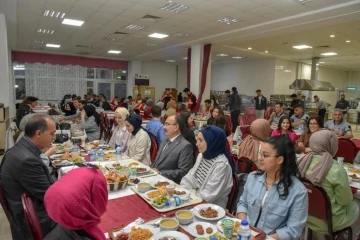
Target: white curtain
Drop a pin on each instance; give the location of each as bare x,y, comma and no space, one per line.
52,82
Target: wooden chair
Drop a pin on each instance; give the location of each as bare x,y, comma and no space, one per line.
347,150
31,218
246,166
229,124
233,194
4,203
320,207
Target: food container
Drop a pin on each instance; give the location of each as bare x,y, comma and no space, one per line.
116,186
184,217
169,224
143,187
228,226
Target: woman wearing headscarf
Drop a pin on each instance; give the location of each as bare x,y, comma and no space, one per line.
319,167
249,148
211,175
76,202
120,134
187,133
139,143
171,108
90,121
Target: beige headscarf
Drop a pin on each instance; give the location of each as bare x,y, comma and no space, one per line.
325,144
249,147
171,104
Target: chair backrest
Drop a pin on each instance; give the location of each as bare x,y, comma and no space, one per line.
246,165
4,203
233,194
347,150
31,217
268,112
229,124
319,204
250,110
154,147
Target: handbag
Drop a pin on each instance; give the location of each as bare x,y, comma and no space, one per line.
61,137
76,131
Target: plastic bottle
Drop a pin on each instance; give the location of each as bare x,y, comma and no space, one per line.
176,201
239,139
133,172
244,232
92,155
118,154
100,154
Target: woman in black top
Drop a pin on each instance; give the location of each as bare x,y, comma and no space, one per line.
187,133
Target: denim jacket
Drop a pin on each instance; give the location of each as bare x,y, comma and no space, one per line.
286,217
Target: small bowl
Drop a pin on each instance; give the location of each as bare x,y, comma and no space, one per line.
143,187
173,221
182,220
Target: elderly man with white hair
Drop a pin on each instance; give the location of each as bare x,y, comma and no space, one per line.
340,126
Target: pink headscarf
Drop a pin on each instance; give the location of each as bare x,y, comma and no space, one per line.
78,200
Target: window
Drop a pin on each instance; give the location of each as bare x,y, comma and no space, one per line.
20,90
90,87
90,73
120,74
120,90
103,73
105,88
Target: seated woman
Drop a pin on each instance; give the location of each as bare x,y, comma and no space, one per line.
70,109
171,107
120,134
77,214
216,111
274,200
313,125
211,175
319,167
187,133
139,143
285,128
249,148
90,121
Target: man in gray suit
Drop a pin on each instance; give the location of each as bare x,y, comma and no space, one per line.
175,155
23,171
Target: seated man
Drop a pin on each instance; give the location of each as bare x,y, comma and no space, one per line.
155,126
340,126
275,116
79,105
175,155
299,119
23,171
207,107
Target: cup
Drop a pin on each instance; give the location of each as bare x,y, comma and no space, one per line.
228,226
170,190
340,161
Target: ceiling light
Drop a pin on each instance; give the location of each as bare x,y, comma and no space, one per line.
134,27
266,51
151,44
170,60
302,47
49,13
185,58
348,41
158,35
329,54
45,31
174,7
52,45
303,1
249,48
222,55
321,62
279,67
19,67
287,71
332,36
182,35
123,71
38,42
114,51
110,39
228,20
16,86
72,22
237,57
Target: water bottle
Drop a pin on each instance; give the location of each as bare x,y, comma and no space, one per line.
244,232
92,155
239,139
118,154
176,201
100,154
133,172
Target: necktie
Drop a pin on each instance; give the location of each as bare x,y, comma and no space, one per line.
166,145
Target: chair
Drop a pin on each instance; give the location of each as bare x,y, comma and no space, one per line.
246,166
320,207
347,150
229,124
233,194
31,217
242,177
268,112
154,147
4,203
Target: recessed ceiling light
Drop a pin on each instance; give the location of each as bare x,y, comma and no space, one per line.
185,58
182,35
110,39
114,51
222,55
228,20
348,41
72,22
38,42
174,7
266,51
287,71
158,35
52,45
170,60
302,47
134,27
151,44
329,54
249,48
49,13
332,36
321,62
45,31
237,57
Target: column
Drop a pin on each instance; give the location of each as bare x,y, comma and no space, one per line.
134,67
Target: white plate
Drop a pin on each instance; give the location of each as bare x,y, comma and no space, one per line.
146,193
220,227
152,183
182,189
154,231
143,166
355,180
133,184
220,210
192,229
171,234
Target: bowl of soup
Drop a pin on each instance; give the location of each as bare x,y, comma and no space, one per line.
184,216
143,187
169,224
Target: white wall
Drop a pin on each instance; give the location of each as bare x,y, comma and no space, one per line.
247,76
4,64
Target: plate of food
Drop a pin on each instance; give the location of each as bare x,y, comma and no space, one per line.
152,194
354,170
201,229
142,169
209,211
134,181
159,202
141,232
64,156
134,164
118,167
171,235
181,191
160,183
109,155
61,163
355,177
77,159
235,228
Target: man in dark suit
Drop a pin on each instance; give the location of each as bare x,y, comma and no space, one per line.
175,155
23,171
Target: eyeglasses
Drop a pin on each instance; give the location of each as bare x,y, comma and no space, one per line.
262,154
168,124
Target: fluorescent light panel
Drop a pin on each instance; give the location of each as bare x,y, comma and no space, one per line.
72,22
52,45
222,55
114,51
228,20
321,62
158,35
302,47
237,57
55,14
332,36
170,60
38,42
329,54
45,31
174,7
185,58
348,41
134,27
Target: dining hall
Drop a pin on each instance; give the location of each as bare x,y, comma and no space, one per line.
179,119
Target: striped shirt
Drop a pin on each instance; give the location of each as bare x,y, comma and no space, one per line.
203,169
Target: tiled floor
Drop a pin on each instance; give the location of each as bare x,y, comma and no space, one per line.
5,227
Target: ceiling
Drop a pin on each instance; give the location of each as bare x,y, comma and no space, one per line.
264,25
